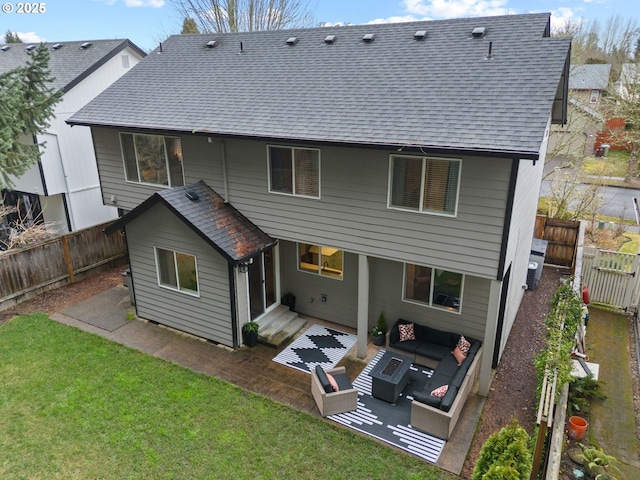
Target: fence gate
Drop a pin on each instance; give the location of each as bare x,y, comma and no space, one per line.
611,277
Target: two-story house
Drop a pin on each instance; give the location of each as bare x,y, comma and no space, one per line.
585,114
365,168
63,189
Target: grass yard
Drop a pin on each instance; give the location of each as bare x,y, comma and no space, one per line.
74,405
613,165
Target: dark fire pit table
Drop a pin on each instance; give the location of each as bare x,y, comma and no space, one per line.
390,376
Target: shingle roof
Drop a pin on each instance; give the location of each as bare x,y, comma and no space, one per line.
589,77
217,222
442,92
69,64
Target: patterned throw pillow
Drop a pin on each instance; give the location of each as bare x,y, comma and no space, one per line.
464,345
440,391
406,331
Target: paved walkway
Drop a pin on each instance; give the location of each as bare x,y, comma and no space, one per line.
110,315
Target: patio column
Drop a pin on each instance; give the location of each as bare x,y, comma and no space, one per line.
489,338
363,305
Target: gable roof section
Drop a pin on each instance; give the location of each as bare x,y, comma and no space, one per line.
448,91
589,77
69,64
216,222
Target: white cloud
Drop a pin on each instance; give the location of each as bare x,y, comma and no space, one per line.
30,37
560,17
456,8
405,18
144,3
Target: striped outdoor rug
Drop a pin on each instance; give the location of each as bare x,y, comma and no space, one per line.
318,345
391,423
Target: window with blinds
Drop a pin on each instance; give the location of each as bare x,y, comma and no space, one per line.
294,171
424,184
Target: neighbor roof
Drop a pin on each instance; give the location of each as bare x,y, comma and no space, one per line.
589,77
68,62
447,91
207,214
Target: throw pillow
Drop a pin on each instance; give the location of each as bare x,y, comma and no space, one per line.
333,382
406,332
464,345
459,355
440,391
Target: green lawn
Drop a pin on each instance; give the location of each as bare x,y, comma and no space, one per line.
74,405
613,165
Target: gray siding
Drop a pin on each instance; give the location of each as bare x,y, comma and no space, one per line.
207,316
352,212
386,295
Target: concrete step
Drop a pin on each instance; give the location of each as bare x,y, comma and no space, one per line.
278,326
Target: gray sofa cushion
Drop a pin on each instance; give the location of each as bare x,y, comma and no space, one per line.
324,381
448,366
432,350
448,398
343,382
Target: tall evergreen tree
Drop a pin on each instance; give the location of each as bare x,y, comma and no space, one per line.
26,105
11,37
189,26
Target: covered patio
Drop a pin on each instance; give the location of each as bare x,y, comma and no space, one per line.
249,368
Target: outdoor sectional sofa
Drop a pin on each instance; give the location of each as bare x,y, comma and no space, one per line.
433,348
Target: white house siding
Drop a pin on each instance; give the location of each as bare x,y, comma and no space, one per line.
68,159
207,316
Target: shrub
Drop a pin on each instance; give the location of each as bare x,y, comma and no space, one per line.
505,455
582,391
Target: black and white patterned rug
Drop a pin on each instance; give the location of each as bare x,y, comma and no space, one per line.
391,423
318,345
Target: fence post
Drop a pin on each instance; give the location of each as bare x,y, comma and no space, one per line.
67,258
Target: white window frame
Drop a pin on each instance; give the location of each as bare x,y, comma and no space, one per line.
594,96
293,170
166,160
430,303
422,185
189,292
319,270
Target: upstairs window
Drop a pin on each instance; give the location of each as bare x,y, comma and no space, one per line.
433,287
595,94
294,171
325,261
152,159
177,271
424,184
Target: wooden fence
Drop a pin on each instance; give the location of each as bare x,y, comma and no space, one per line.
29,271
562,236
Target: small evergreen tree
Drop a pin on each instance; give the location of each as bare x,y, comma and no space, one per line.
26,105
505,455
11,37
189,26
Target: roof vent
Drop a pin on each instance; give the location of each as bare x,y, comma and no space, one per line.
330,39
57,46
478,32
193,196
368,38
211,43
420,35
30,47
5,48
85,45
292,40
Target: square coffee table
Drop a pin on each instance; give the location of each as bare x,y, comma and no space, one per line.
390,376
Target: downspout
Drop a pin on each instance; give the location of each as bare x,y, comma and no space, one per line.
234,309
515,162
225,180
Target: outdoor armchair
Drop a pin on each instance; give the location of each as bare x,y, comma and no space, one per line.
331,402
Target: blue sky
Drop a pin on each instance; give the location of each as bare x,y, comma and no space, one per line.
147,22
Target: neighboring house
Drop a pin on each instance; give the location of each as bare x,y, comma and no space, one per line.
629,74
64,186
364,168
587,84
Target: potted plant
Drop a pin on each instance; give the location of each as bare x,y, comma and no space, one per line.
379,331
289,300
250,334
